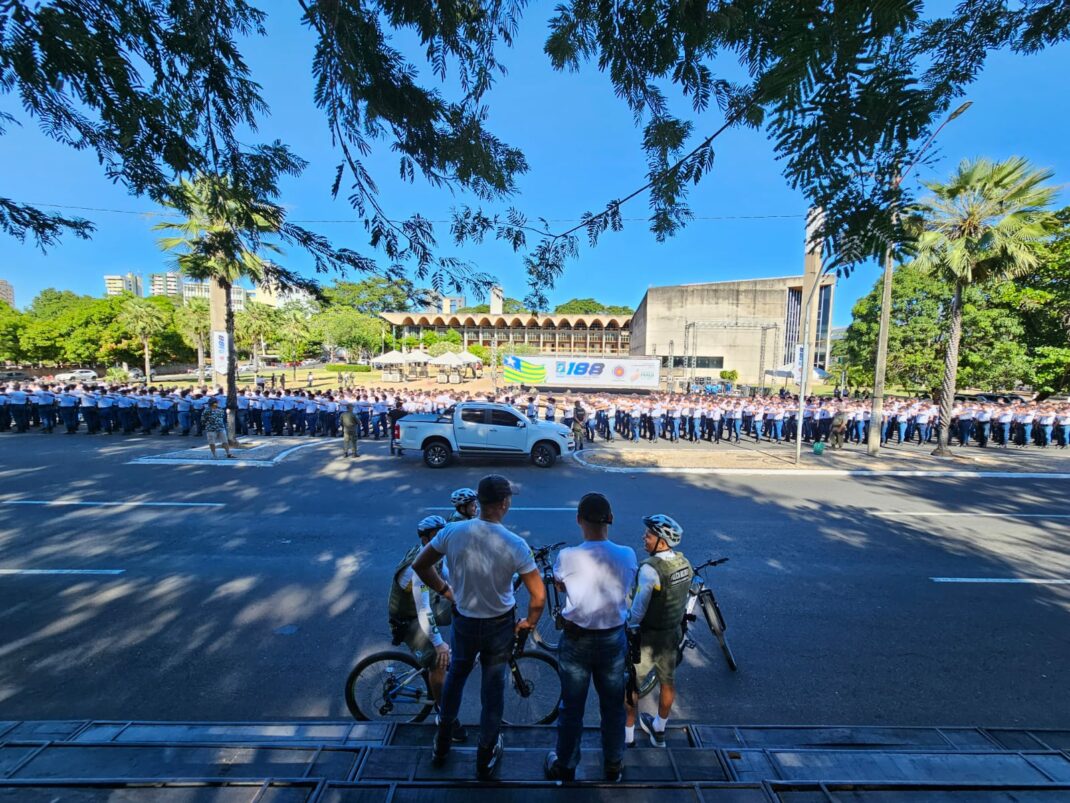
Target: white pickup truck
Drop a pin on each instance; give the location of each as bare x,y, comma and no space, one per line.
482,428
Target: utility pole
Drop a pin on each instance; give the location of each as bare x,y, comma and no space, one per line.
876,414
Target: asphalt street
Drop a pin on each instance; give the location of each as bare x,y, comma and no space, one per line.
248,593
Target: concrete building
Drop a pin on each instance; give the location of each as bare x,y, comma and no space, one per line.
166,284
276,297
447,305
7,292
116,285
751,326
576,335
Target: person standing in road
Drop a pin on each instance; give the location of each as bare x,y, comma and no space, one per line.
482,556
214,423
349,432
598,576
657,611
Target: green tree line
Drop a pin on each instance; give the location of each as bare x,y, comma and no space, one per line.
1014,331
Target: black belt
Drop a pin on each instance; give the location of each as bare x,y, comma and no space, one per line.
574,629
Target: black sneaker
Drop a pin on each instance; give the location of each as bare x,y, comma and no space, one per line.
657,738
555,772
488,759
614,773
441,748
459,733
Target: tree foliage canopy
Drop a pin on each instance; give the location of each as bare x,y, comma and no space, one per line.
845,90
590,306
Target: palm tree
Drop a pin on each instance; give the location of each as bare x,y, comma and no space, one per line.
219,241
144,320
255,326
294,333
986,224
195,324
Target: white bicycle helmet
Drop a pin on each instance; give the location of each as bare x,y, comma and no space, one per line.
430,525
462,496
665,528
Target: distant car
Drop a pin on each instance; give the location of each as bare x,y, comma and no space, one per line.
78,375
248,368
138,374
310,363
14,376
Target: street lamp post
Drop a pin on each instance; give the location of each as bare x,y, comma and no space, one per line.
876,417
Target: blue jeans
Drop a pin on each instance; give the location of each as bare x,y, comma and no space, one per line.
491,640
583,657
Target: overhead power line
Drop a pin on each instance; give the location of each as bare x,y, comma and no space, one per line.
74,208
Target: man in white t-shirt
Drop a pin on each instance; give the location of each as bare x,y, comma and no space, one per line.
598,576
483,556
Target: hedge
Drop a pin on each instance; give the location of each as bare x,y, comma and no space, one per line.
348,369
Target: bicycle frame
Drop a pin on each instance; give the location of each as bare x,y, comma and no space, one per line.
397,688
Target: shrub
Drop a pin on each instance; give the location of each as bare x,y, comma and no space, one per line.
340,368
730,375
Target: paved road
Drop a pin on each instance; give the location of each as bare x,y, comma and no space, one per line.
257,608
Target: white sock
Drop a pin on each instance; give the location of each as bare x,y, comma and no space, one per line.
659,724
629,733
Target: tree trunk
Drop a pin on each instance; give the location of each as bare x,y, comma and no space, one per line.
256,357
951,367
148,358
200,360
232,368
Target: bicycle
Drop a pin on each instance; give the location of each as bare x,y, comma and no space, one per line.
391,686
545,634
700,594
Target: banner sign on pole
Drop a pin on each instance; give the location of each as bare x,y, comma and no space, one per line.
220,351
800,358
600,372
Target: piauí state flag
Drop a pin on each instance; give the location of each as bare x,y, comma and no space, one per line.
522,371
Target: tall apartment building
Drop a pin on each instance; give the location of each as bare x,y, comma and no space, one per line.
238,295
7,292
166,284
116,285
276,297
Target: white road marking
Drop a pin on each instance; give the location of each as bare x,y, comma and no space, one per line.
76,503
1016,580
938,513
825,472
539,510
63,571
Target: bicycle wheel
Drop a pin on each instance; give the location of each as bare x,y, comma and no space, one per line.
388,686
716,623
533,691
546,635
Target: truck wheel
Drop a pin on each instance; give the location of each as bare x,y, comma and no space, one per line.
543,455
437,455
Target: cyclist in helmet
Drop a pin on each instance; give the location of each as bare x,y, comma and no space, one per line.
416,614
657,611
464,500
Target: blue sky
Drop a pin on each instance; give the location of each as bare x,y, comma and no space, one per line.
583,150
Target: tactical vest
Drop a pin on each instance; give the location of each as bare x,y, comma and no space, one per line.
667,605
402,607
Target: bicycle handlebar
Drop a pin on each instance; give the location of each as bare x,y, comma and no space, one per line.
541,551
710,563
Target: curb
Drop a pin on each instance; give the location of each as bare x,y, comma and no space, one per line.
820,472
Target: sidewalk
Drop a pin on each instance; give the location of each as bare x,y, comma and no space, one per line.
746,457
316,761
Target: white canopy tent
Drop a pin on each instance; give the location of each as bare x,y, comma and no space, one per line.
449,359
391,358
